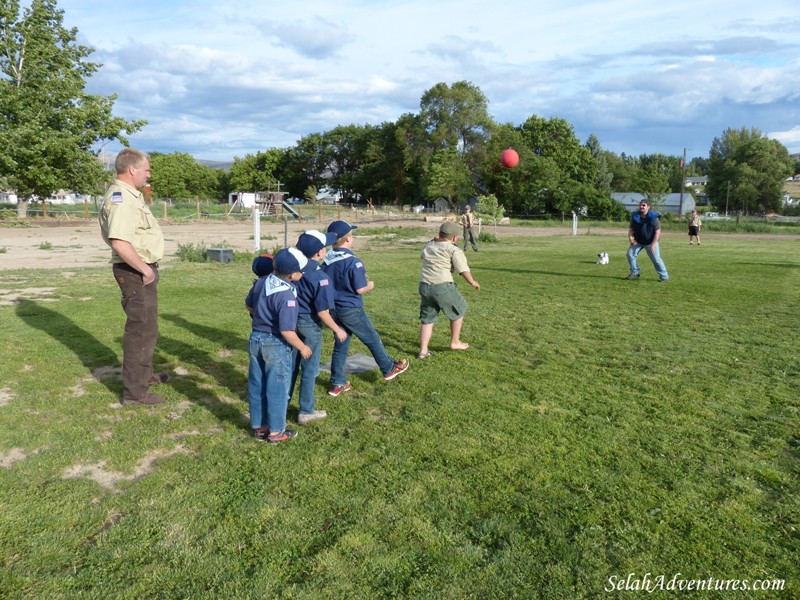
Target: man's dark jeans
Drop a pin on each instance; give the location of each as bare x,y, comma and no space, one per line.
140,303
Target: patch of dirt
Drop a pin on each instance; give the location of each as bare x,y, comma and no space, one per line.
10,297
6,396
111,479
7,459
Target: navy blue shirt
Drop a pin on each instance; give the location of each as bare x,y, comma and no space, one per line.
347,274
274,305
314,291
644,230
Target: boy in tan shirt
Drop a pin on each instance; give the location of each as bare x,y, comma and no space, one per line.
441,257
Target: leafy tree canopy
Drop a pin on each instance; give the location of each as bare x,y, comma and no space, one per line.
48,123
747,170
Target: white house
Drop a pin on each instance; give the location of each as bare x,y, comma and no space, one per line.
668,203
8,198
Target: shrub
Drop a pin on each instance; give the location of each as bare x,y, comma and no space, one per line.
192,252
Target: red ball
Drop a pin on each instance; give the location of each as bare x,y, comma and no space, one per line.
509,158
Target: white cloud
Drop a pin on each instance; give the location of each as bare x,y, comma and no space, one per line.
645,76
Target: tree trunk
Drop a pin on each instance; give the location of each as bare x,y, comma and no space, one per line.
22,208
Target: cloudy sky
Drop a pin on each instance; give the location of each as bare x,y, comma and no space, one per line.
224,79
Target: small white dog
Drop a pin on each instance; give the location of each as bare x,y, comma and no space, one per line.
602,258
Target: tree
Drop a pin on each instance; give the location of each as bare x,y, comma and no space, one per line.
448,176
256,172
48,123
456,117
753,165
489,207
179,176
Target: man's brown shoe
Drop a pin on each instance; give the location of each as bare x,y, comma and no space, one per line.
148,399
158,378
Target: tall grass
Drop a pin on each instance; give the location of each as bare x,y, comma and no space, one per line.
596,428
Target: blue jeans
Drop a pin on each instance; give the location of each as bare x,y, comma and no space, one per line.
268,380
356,322
311,334
655,256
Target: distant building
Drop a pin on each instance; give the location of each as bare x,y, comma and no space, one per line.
697,181
668,203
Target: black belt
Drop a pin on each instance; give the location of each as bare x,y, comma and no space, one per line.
127,267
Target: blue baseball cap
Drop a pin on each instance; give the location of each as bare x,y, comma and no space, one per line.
341,228
289,260
312,241
263,265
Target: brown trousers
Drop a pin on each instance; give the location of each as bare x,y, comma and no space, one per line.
140,303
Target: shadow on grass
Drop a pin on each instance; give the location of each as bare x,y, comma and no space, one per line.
89,350
222,372
556,273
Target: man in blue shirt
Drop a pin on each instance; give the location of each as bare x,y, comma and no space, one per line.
644,233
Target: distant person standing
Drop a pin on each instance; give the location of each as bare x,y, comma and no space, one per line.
694,226
137,244
467,221
644,233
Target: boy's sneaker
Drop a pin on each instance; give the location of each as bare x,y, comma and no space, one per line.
277,438
399,367
338,389
632,276
306,418
261,434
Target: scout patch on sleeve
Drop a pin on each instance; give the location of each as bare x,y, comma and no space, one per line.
116,197
291,303
323,282
359,265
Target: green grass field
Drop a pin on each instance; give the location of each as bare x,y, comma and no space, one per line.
596,428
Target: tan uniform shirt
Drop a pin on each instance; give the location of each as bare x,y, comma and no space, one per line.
694,221
440,260
466,220
125,216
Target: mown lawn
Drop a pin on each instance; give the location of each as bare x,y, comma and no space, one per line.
596,428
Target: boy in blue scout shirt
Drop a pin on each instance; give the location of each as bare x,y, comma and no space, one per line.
315,301
273,341
350,283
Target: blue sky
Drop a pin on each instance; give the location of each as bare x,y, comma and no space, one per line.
219,80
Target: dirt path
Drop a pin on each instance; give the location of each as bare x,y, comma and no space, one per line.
70,245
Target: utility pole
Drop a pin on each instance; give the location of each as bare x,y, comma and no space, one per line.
728,195
683,182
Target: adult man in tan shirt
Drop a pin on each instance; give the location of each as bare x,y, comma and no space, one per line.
467,221
137,244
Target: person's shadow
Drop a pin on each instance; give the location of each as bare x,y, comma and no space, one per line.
89,350
222,372
95,355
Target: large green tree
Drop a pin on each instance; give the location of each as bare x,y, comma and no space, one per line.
180,177
456,116
256,172
747,170
49,124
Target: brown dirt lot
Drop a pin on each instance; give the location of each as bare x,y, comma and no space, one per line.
79,244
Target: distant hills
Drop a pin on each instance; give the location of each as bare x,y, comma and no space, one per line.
224,165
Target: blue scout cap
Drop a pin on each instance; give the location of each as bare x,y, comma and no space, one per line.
262,265
341,228
289,260
312,241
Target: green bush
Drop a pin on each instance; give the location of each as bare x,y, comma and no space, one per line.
192,252
487,238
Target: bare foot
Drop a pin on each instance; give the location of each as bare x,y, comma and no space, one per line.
459,346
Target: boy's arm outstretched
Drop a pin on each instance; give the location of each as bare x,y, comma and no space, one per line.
468,276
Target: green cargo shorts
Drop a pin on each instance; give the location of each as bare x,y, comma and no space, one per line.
440,296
